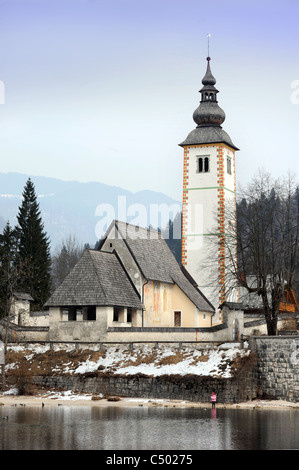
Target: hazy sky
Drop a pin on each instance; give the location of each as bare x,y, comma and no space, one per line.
104,90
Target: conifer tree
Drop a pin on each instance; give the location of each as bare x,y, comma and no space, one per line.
10,269
34,249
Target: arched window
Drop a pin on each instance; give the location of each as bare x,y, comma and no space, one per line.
207,164
200,165
203,165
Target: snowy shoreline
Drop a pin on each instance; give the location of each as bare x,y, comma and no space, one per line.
72,399
144,360
41,360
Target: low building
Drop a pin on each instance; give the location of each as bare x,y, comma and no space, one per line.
20,307
254,316
97,293
21,313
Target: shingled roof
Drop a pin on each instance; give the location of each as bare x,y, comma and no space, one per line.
156,261
97,279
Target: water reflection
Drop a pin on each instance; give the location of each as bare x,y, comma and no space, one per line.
141,428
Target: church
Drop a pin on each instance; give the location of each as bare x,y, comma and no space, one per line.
130,284
131,288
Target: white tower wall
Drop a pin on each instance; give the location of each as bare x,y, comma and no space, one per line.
209,198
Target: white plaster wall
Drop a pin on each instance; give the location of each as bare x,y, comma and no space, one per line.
156,336
202,215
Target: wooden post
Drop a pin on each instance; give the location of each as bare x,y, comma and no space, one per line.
2,364
3,377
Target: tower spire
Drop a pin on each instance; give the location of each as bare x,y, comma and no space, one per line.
208,116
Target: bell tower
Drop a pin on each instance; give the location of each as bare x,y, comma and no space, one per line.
209,189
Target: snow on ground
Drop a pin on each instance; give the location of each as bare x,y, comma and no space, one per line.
145,360
214,362
67,395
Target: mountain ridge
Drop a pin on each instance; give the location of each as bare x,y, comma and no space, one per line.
75,208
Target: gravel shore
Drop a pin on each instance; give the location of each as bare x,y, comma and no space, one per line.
8,400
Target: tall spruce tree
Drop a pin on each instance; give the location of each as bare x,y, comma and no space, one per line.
34,249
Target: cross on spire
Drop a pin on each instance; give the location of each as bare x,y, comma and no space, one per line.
208,36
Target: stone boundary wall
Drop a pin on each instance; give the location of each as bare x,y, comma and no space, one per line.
191,388
277,366
241,387
271,371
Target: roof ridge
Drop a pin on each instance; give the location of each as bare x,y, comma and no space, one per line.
146,229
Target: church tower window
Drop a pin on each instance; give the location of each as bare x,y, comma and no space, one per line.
229,165
203,165
200,165
207,164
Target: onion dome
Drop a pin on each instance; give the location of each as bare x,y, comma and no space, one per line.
208,116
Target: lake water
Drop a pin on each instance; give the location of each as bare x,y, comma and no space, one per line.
143,428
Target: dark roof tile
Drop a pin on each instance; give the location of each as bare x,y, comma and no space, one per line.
97,279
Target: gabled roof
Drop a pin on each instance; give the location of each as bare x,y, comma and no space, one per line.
97,279
156,261
23,296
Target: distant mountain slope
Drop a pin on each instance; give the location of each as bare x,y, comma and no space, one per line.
82,209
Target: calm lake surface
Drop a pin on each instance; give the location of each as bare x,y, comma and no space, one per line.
143,428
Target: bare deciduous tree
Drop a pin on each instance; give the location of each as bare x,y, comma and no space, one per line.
64,259
267,240
261,246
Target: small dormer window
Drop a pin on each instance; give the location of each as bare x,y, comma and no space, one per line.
203,164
